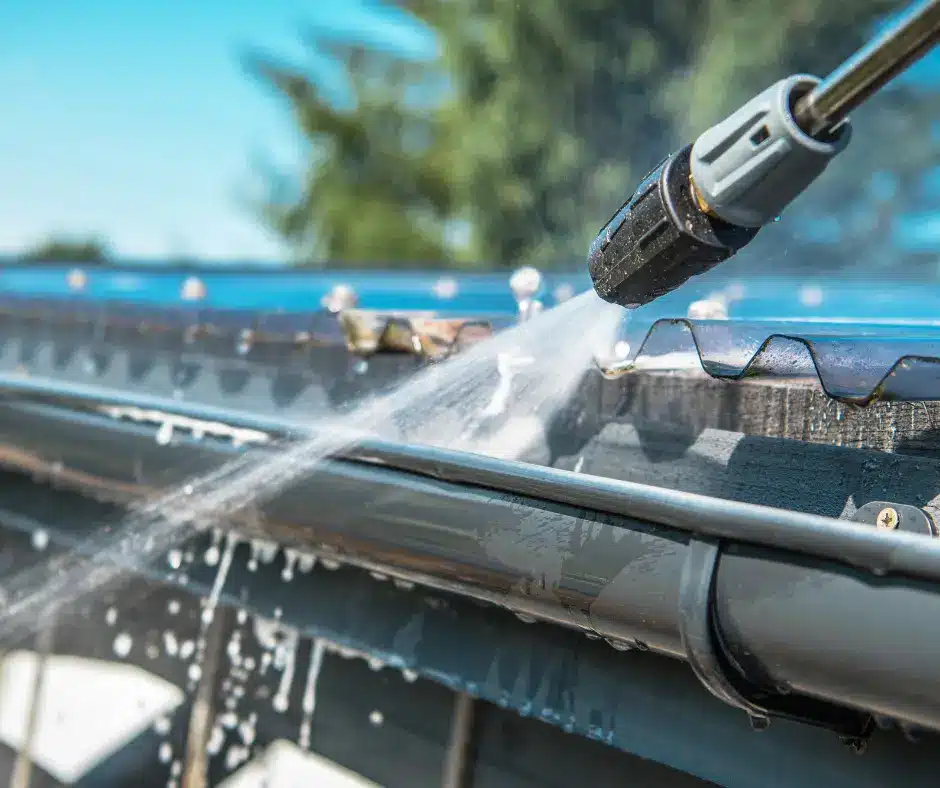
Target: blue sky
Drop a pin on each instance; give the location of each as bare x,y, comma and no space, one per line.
136,121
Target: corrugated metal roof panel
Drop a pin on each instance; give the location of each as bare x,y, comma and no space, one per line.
853,361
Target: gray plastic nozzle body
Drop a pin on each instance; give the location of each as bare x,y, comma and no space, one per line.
753,164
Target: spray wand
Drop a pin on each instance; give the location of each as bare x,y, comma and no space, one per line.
708,200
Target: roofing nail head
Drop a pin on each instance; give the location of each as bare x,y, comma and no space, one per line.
340,298
887,519
525,283
193,289
77,279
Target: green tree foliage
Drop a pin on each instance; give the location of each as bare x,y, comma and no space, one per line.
553,111
88,251
378,186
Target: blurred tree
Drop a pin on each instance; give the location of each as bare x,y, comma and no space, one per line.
552,113
67,250
378,187
555,112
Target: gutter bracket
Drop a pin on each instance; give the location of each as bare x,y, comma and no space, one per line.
700,632
895,517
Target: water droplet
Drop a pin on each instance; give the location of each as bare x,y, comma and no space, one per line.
123,644
247,732
290,559
40,539
620,645
811,295
170,644
164,434
267,551
111,616
166,752
243,347
216,740
194,672
235,756
162,726
376,718
175,559
234,648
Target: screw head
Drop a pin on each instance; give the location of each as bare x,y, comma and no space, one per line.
525,283
340,298
77,279
193,289
887,519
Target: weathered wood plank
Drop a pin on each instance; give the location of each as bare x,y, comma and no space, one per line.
779,472
688,404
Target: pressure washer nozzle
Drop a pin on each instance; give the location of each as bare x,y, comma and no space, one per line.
705,202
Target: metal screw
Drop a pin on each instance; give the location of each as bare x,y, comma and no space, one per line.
887,519
525,283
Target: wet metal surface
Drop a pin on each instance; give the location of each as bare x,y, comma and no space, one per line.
854,362
859,346
638,702
594,555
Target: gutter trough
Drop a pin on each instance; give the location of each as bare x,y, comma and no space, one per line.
780,614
